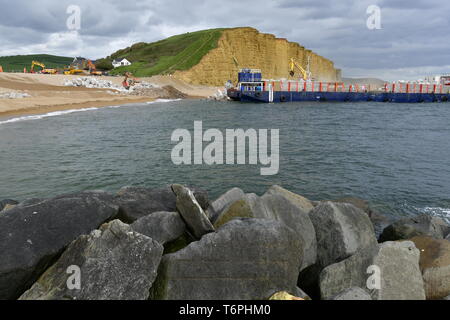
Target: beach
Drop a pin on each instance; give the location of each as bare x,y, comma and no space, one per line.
47,93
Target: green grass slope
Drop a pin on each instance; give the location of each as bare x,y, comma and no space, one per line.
17,63
180,52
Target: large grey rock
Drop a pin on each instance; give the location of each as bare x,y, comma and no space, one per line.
31,237
9,202
246,259
216,208
275,205
163,227
191,212
407,228
115,263
379,221
349,273
249,206
354,293
296,217
341,230
137,202
448,238
300,202
399,274
435,266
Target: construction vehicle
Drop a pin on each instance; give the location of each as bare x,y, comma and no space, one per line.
129,80
44,70
36,63
294,64
71,71
93,69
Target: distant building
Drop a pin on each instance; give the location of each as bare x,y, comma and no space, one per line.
121,63
79,63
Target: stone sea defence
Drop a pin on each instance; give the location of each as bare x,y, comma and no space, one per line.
248,48
174,243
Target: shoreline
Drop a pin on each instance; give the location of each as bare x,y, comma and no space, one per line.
71,106
77,106
48,94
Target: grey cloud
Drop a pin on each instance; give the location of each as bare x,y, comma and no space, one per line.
414,34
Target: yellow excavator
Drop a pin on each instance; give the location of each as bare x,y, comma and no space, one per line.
71,70
294,64
44,70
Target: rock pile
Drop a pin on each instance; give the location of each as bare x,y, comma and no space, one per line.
143,88
174,243
95,83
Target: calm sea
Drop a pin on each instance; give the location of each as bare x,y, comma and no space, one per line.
397,156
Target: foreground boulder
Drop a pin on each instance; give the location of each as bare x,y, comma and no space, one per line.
399,276
191,212
249,206
379,221
216,208
137,202
275,205
163,227
354,293
407,228
435,266
31,237
115,263
294,215
341,230
246,259
300,202
7,203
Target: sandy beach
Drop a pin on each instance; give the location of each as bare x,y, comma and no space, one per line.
47,93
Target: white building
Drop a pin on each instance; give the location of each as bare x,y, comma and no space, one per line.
121,63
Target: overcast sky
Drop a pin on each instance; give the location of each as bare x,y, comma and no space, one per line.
414,39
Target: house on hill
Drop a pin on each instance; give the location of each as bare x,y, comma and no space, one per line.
121,63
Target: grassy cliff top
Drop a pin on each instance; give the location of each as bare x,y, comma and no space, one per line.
180,52
17,63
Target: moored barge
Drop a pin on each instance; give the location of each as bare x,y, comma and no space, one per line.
252,88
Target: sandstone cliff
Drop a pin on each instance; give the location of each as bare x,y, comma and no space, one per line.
253,49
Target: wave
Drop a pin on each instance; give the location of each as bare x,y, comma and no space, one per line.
163,101
437,211
63,112
46,115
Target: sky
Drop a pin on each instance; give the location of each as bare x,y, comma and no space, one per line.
412,41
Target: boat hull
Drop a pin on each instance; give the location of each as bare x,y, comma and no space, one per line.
292,96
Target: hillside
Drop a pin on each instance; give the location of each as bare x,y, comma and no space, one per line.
180,52
17,63
211,57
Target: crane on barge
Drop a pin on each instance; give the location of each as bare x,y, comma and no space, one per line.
294,64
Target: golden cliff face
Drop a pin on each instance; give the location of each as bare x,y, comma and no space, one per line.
255,50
